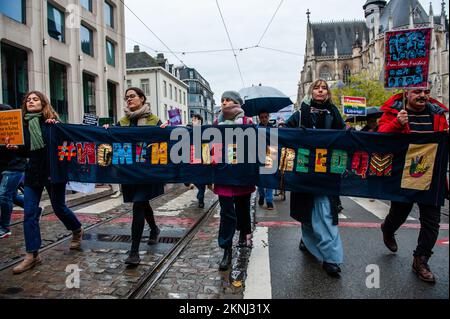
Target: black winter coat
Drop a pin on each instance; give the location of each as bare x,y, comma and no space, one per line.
301,204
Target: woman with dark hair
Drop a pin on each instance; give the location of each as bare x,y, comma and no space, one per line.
37,112
138,113
318,213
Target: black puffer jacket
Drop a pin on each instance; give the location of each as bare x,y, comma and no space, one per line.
328,117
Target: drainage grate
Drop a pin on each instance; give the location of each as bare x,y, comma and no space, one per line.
127,238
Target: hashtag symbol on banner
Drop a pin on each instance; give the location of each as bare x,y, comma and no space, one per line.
65,151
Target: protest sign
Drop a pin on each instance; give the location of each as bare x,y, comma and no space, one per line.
11,126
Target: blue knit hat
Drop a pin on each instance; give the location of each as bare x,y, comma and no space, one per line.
233,95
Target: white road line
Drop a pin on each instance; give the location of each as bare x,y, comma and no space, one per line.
175,206
101,207
257,283
342,216
374,206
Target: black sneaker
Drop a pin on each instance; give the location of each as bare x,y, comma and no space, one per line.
133,259
153,238
332,269
269,206
201,204
242,240
261,201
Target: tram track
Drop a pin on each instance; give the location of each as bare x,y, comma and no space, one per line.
106,220
152,277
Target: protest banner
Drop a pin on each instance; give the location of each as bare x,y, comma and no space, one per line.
11,126
407,56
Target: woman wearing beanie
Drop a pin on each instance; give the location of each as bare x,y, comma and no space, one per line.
138,113
37,113
318,213
234,200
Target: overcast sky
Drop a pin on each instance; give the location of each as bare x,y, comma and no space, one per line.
195,25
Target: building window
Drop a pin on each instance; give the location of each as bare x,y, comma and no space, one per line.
170,91
112,101
176,94
58,89
192,87
110,53
87,4
15,9
109,14
129,84
89,93
324,48
191,74
14,74
166,113
179,95
87,45
325,73
145,86
165,88
346,74
55,23
184,98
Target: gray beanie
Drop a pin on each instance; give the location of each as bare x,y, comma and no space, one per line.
233,95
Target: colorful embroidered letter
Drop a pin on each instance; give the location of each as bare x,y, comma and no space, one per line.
338,162
302,160
321,160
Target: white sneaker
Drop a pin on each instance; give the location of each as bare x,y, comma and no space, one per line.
116,194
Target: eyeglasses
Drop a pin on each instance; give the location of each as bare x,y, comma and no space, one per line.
127,97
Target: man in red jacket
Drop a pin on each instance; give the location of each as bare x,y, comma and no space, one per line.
421,114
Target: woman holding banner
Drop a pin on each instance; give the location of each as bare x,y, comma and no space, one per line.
138,113
318,213
37,113
234,200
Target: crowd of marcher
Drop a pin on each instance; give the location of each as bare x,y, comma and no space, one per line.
412,112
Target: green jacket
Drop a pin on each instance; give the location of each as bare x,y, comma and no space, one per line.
151,120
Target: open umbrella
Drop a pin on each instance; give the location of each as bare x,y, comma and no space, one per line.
259,98
372,112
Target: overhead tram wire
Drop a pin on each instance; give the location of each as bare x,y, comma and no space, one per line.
231,43
282,51
156,36
270,22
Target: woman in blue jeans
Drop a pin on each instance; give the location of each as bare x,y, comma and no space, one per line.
38,113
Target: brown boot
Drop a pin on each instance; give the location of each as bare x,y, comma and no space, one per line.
421,268
29,262
389,240
77,236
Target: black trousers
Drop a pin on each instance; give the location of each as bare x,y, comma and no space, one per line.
142,211
234,214
430,217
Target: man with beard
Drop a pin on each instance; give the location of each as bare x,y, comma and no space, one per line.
420,114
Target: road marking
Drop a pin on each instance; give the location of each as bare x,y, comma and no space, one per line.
342,216
442,242
101,207
257,283
374,206
177,205
344,224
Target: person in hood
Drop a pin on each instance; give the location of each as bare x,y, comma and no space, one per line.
419,114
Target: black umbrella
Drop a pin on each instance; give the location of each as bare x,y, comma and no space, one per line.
372,112
263,98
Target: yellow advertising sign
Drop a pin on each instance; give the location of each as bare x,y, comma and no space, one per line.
11,126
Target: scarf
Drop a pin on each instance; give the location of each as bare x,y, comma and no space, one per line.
140,114
34,127
231,114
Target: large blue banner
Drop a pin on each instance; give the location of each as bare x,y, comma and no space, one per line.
400,167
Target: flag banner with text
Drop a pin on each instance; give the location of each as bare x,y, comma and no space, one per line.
398,167
407,58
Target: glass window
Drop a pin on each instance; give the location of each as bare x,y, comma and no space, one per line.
176,93
89,93
112,101
184,98
87,4
58,89
14,74
170,91
325,73
15,9
179,95
346,74
55,23
145,86
165,88
109,14
86,36
110,53
129,84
